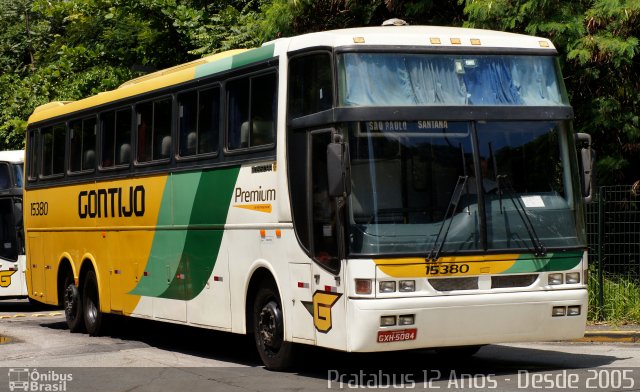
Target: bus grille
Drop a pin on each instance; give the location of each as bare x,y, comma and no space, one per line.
471,283
509,281
450,284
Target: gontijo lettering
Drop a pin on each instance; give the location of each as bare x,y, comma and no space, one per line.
112,202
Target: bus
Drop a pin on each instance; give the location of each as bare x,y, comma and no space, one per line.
12,255
329,189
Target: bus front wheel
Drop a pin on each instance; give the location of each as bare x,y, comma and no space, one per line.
72,303
268,329
91,301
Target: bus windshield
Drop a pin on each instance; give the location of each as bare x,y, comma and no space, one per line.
405,175
402,79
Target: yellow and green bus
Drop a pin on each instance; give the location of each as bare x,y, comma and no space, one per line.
369,189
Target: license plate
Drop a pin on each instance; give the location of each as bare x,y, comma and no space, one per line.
397,336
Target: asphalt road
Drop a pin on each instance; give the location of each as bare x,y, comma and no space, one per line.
140,355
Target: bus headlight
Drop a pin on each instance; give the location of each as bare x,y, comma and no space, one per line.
572,278
387,287
555,279
387,321
406,319
573,310
406,286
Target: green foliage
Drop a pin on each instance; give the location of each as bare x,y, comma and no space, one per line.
622,300
599,44
68,49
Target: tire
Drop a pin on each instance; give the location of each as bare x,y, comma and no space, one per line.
93,317
268,330
72,305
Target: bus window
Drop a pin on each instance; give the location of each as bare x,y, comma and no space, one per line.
53,147
154,130
208,121
83,145
162,129
144,112
116,137
188,104
34,155
8,245
5,177
256,98
199,122
17,172
310,85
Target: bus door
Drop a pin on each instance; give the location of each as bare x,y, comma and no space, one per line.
327,234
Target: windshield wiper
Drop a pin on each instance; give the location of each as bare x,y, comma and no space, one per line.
505,183
448,217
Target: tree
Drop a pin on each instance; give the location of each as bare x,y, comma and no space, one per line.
598,42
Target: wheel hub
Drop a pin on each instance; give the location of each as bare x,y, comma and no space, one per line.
268,325
70,301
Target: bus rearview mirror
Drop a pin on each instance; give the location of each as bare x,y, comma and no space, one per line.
338,170
587,158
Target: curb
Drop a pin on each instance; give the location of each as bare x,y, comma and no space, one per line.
623,336
19,315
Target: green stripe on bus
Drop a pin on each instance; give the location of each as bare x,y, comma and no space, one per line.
163,257
550,262
201,247
253,56
181,261
239,60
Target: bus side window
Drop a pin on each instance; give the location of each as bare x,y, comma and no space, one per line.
199,121
188,120
154,129
5,177
82,155
252,111
263,110
53,149
238,116
208,121
33,156
122,151
116,137
162,112
310,85
144,113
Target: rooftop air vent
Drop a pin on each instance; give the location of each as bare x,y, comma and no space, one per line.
394,22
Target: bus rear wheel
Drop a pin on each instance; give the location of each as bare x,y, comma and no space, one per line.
91,300
72,302
268,329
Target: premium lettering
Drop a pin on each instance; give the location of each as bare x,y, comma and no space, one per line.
112,202
256,195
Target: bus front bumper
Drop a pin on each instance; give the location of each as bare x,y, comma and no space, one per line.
458,320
